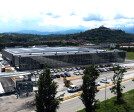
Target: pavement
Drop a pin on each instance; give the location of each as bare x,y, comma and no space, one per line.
75,104
20,105
70,105
62,89
7,84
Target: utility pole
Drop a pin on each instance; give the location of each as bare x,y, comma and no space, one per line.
105,94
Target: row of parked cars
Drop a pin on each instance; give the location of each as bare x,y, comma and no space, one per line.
66,74
64,69
78,73
101,68
105,69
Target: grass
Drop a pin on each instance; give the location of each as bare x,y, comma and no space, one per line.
1,35
127,106
130,55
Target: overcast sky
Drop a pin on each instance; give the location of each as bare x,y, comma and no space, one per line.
55,15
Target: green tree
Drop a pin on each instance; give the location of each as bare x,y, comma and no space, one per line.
117,79
89,88
45,98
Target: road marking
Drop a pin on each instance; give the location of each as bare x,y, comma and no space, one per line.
72,78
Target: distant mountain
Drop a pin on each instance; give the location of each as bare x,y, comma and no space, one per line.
128,29
96,35
103,34
33,32
72,31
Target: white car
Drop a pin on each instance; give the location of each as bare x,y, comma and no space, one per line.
73,88
76,73
97,84
104,81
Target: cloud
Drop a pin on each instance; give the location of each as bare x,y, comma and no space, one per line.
93,17
56,16
49,14
73,14
5,20
18,21
120,16
41,14
14,24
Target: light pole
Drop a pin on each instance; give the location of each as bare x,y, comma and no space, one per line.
105,92
35,76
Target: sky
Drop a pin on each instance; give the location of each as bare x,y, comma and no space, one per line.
57,15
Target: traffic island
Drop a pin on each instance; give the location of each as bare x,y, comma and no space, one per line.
72,78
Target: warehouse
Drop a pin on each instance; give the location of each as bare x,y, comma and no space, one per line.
55,57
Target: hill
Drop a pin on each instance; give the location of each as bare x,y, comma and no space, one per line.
64,32
103,34
97,36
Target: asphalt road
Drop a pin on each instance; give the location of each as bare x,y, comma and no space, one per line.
78,82
75,104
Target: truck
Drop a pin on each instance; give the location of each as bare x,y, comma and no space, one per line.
73,88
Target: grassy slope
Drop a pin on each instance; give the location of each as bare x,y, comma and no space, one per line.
130,55
111,107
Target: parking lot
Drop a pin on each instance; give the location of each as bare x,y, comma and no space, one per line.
75,77
75,74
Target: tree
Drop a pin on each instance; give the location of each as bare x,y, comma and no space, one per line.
46,100
117,79
89,88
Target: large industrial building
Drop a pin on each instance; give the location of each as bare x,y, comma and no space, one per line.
55,57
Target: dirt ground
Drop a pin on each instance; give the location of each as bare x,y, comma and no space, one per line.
12,104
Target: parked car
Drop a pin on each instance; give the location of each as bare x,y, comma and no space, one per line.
62,75
70,69
59,70
100,69
127,67
76,73
105,70
74,68
73,88
82,68
78,68
52,71
62,69
67,74
80,72
57,75
55,71
104,81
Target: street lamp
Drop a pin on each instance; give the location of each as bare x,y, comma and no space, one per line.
35,75
105,92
